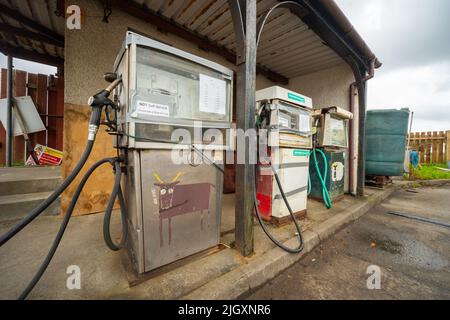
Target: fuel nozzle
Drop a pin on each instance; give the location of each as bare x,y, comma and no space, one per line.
101,100
110,77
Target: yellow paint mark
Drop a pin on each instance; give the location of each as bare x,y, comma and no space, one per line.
157,177
177,177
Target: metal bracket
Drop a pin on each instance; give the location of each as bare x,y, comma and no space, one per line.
237,10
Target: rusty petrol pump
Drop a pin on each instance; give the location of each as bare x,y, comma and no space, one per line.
171,104
329,156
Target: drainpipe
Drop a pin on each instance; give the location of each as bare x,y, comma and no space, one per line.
9,97
352,156
371,72
359,84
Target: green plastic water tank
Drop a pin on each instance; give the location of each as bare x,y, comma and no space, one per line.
386,138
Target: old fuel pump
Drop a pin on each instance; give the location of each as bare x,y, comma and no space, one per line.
286,118
328,159
173,205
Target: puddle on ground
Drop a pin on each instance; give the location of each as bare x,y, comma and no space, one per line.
423,256
408,250
387,245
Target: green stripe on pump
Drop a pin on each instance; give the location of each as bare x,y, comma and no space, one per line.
301,153
296,97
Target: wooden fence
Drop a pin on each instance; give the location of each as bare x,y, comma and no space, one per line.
47,93
433,147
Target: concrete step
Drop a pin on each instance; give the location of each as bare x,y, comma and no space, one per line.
17,206
27,180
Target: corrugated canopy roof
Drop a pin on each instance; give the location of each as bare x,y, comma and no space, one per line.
34,30
31,30
288,47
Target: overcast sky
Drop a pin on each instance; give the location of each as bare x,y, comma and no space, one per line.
412,39
28,66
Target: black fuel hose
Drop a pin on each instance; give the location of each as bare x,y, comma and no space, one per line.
97,103
116,193
62,229
259,28
258,214
44,205
286,202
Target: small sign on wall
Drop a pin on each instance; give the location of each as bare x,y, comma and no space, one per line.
46,156
31,118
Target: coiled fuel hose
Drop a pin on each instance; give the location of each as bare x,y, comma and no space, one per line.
258,214
115,162
323,176
97,103
44,205
301,246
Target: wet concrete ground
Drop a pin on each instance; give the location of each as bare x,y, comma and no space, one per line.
103,276
414,257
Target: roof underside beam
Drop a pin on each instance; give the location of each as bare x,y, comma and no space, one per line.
204,43
30,35
21,53
13,14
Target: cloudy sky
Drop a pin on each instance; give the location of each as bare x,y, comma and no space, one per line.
28,66
411,38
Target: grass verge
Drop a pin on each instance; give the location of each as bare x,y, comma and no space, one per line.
431,172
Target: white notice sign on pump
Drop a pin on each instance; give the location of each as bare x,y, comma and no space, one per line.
151,109
212,96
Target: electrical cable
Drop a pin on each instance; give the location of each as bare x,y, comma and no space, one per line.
44,205
63,227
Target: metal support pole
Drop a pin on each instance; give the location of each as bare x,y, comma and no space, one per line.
244,20
9,102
